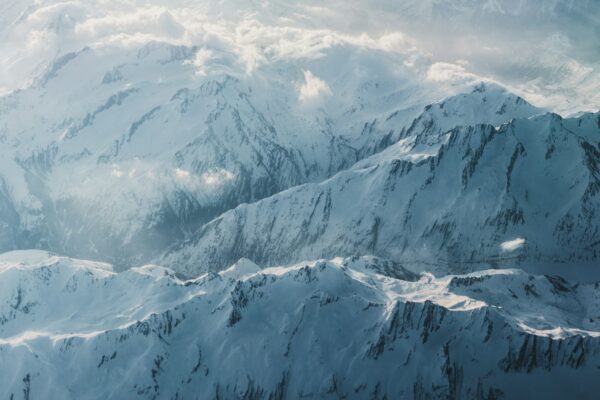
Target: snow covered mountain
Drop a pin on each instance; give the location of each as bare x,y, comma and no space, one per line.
441,199
299,199
115,153
128,143
359,327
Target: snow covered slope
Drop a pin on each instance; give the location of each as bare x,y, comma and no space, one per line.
455,226
115,152
357,327
522,193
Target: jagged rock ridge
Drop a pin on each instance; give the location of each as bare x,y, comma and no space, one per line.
324,329
445,197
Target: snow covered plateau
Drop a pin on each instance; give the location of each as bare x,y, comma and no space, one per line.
291,200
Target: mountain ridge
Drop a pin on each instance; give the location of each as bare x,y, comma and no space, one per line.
210,336
451,162
152,141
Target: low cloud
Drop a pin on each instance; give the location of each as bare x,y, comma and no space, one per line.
206,181
181,174
147,179
216,177
313,88
547,54
203,56
116,171
450,73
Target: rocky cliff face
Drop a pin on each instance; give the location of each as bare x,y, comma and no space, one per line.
326,329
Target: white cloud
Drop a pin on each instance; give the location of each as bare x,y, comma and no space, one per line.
313,88
201,60
181,174
155,21
395,41
216,177
450,73
206,181
556,61
116,171
512,245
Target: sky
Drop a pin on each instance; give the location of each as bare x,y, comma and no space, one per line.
547,51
